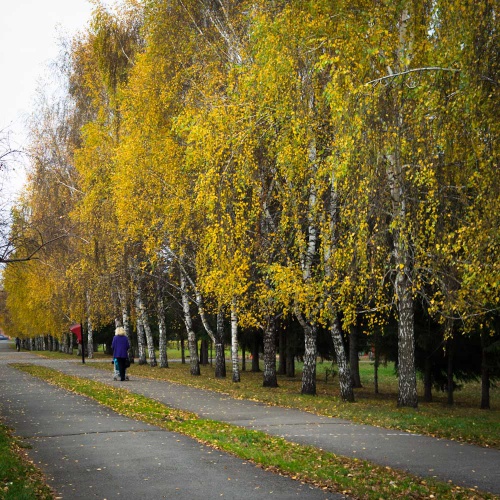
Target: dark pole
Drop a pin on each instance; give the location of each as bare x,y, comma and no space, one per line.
83,345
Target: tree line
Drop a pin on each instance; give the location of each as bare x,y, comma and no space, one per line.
240,166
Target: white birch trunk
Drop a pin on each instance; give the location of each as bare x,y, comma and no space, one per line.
90,339
65,348
345,379
141,338
234,341
310,328
407,389
162,327
270,375
310,354
217,339
127,326
407,380
143,313
220,355
188,321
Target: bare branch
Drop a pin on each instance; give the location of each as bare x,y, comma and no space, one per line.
415,70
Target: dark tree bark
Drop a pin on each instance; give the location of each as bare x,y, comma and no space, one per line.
204,352
243,358
282,352
270,377
485,373
255,355
194,365
428,380
449,355
220,359
354,356
345,380
309,370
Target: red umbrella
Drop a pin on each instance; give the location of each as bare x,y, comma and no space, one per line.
77,330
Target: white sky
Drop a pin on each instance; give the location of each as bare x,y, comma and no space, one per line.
29,34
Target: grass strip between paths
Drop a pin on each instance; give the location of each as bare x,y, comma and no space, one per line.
19,478
353,477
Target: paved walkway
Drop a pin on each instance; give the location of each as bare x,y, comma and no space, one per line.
462,464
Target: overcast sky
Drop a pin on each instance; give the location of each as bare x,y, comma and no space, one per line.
29,34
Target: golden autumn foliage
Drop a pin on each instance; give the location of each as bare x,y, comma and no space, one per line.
311,158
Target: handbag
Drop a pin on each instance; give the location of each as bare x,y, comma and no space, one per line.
127,362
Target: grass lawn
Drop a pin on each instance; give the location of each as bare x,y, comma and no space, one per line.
463,421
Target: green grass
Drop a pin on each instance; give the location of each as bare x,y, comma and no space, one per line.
462,422
19,478
357,478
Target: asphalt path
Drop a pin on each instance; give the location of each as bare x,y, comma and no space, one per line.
462,464
88,451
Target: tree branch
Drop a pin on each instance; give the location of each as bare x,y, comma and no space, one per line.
415,70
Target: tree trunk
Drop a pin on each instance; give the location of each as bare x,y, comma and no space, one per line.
428,380
183,352
354,356
290,361
220,358
407,380
282,352
270,378
402,246
345,379
204,352
162,328
90,339
485,374
126,323
217,337
194,365
141,342
234,342
449,383
255,355
310,354
143,314
243,358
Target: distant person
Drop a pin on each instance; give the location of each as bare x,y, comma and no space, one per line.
18,344
120,346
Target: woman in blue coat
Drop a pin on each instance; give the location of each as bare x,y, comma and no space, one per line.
120,346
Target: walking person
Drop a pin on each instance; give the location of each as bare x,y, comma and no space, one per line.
120,346
18,344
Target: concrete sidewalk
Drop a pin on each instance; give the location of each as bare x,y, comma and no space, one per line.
464,465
